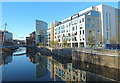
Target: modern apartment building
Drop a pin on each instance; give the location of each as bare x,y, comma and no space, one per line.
41,32
50,33
95,26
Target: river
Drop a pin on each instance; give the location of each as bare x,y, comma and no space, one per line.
24,65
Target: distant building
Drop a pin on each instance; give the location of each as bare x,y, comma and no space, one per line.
6,36
41,32
32,38
27,40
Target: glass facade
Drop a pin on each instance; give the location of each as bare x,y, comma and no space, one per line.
87,25
88,19
94,13
41,32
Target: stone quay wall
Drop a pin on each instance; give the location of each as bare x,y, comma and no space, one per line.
105,58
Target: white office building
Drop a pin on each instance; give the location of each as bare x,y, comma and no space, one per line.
94,26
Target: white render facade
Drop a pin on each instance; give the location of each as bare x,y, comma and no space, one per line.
92,26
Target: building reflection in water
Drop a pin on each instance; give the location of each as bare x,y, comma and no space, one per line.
6,58
30,52
65,71
38,60
70,70
80,72
41,66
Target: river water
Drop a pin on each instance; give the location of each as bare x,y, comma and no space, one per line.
24,65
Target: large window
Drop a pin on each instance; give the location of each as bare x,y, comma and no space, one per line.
93,26
92,20
87,25
82,19
88,19
73,28
83,31
80,32
94,13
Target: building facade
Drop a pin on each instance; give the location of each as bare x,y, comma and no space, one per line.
41,32
50,33
109,24
32,38
6,36
94,26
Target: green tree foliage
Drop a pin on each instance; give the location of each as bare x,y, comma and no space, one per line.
64,42
56,43
41,44
51,43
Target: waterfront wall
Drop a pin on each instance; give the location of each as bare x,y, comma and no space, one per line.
98,58
64,52
42,50
108,58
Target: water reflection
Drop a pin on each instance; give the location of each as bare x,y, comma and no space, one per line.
6,58
41,66
97,72
35,67
81,72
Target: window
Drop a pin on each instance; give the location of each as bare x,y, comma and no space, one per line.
80,32
82,19
69,24
76,27
75,39
59,40
73,28
88,19
66,25
92,20
87,25
83,31
68,34
76,33
93,26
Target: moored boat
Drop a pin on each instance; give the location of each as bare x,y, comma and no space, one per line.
6,49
